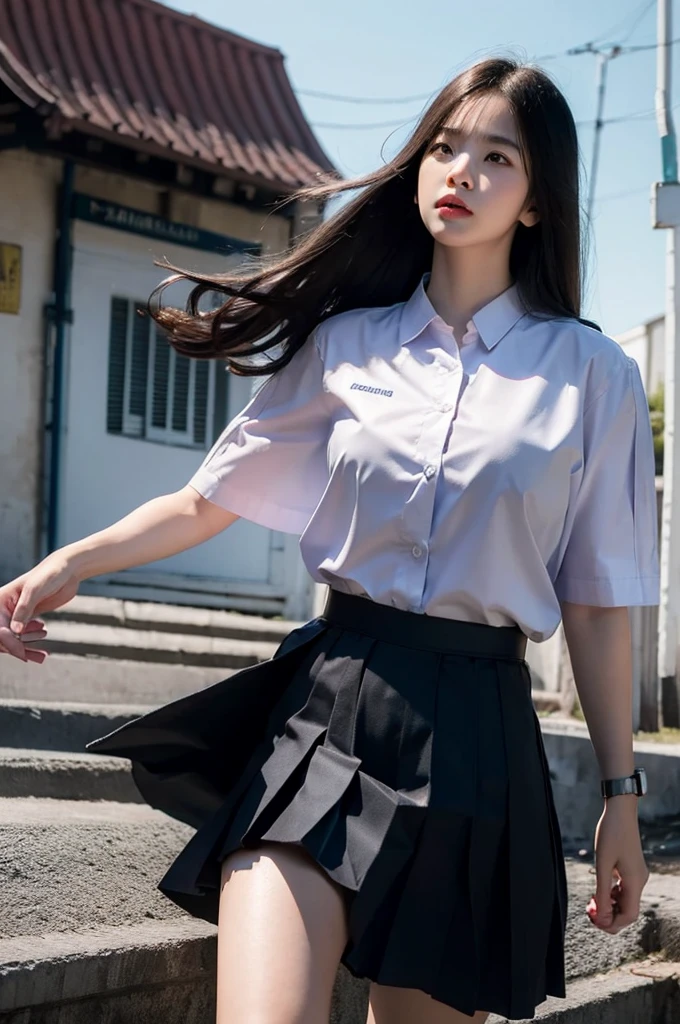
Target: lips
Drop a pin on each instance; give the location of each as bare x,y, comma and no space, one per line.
452,202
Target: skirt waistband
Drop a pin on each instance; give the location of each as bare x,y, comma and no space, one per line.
425,632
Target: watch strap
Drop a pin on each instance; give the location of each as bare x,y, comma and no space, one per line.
635,784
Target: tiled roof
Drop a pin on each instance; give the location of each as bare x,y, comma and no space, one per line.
160,80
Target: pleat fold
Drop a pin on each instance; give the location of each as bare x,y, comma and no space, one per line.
188,754
531,865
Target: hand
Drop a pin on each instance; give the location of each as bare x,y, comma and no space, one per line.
620,866
51,584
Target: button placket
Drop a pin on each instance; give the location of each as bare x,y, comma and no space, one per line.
419,512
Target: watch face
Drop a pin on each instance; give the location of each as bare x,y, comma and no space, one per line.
641,775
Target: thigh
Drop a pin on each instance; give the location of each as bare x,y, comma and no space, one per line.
281,932
391,1005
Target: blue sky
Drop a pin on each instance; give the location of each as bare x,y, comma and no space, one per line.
369,48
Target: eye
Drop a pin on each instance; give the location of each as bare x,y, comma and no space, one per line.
440,146
501,155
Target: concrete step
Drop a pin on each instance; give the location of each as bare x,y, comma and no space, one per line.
47,725
72,865
165,971
157,646
138,974
644,992
158,617
63,775
88,936
71,678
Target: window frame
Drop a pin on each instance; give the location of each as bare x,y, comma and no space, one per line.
142,427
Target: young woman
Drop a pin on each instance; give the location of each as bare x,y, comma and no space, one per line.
467,462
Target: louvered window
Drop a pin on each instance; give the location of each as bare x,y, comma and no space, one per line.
153,392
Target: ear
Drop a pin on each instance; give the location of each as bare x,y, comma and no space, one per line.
529,217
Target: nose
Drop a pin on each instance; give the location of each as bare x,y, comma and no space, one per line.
460,172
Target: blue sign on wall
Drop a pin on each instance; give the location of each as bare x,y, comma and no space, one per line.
139,222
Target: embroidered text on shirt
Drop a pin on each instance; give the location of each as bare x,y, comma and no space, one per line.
372,391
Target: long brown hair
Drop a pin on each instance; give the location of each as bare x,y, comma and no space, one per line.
364,255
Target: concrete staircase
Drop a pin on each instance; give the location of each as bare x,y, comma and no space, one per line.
85,936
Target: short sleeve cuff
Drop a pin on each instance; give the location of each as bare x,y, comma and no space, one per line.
249,506
610,593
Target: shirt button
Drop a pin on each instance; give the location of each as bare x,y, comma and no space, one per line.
446,407
430,471
416,551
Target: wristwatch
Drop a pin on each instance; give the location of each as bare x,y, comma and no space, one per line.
635,783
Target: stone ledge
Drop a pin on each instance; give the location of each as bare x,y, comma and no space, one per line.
639,993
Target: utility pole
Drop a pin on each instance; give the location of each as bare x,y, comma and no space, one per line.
603,58
666,214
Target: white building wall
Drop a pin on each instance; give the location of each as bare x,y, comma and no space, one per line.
28,185
645,344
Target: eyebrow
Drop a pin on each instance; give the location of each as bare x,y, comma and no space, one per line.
499,140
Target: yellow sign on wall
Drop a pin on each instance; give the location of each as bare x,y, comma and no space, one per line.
10,278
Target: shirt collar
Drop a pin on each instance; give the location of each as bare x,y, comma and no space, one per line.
492,321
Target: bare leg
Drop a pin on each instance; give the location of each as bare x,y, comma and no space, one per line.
391,1005
282,929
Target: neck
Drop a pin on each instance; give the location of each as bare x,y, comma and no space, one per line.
465,279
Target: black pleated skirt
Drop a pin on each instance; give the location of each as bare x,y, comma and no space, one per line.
404,753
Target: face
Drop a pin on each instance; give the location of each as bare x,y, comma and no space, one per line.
475,158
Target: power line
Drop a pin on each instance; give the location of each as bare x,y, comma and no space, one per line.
621,195
371,125
421,97
364,99
638,14
641,16
638,115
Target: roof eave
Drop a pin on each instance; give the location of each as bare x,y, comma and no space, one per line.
60,126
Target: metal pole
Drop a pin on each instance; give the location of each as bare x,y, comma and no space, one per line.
601,85
603,58
666,213
54,399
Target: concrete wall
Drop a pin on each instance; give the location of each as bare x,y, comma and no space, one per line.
575,776
28,184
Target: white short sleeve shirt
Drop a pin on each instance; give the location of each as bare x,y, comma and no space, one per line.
483,480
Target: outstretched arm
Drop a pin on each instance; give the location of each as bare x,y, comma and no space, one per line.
157,529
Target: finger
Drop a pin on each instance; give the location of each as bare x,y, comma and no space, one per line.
23,611
603,914
625,909
31,636
26,639
627,903
12,644
37,656
35,624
